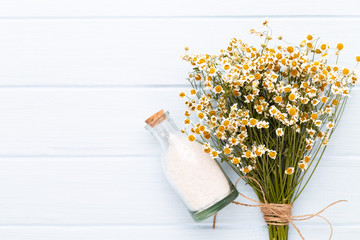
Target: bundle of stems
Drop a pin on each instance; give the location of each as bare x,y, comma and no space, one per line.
268,112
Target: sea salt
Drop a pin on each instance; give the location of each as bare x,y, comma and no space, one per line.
196,176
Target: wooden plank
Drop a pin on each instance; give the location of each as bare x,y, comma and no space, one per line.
133,52
167,232
109,122
132,191
82,8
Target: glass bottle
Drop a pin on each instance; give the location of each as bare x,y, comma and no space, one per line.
196,177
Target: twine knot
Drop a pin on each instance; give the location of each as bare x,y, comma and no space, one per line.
276,214
279,214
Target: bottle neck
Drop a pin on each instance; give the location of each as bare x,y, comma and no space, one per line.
162,130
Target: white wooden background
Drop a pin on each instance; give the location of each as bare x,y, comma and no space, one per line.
77,80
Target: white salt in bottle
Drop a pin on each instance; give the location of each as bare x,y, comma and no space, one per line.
196,177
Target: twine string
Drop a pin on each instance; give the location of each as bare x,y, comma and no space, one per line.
279,214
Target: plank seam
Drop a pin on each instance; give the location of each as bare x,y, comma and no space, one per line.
177,17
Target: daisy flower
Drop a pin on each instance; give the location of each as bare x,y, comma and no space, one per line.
289,171
279,132
235,160
330,125
214,153
306,159
303,166
218,89
246,169
272,154
227,149
247,154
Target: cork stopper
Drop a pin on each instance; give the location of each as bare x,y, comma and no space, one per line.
156,118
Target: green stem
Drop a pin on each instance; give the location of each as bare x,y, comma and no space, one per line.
278,232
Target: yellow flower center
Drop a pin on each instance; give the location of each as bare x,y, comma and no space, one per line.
314,116
235,161
197,130
191,138
292,97
272,154
218,89
278,99
221,128
339,46
227,151
207,136
292,111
